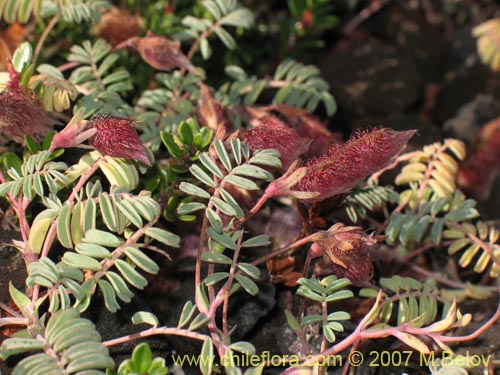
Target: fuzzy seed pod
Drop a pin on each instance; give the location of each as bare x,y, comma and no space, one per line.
342,166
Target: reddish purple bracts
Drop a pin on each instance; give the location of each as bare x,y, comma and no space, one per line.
110,135
21,112
271,133
117,137
342,166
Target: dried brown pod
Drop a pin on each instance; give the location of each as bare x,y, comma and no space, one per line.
10,38
282,270
345,251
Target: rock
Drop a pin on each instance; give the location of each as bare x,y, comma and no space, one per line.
371,78
12,266
465,76
471,116
414,30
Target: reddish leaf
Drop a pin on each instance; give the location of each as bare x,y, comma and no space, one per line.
21,112
342,166
211,113
478,172
160,52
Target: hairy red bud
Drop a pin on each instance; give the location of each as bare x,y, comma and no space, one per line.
110,135
271,133
342,166
22,112
117,137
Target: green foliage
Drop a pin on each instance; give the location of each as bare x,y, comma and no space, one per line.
479,241
19,11
55,91
154,109
69,344
223,13
328,289
87,228
37,174
184,148
61,281
298,85
70,11
233,169
430,220
76,10
100,86
436,211
368,198
141,362
125,218
406,299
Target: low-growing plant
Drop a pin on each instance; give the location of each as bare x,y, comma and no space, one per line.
97,203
